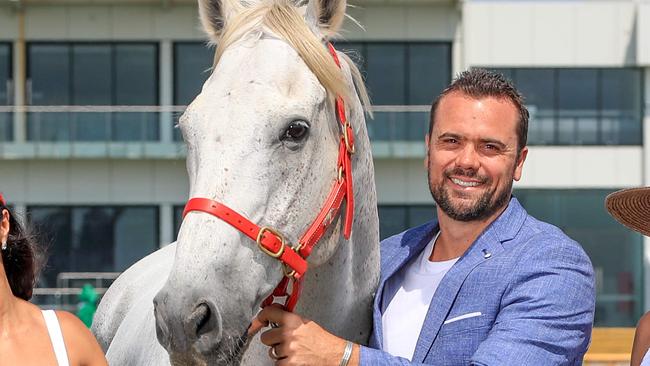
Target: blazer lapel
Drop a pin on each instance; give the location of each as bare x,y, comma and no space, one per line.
411,244
488,245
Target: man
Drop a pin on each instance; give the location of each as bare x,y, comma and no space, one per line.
486,284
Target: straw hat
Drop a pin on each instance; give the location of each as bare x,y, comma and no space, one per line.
631,207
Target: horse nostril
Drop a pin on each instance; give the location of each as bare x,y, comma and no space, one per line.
204,319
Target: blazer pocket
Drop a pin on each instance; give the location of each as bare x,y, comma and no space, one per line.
462,317
465,323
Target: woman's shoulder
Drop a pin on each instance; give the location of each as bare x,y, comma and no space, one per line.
643,327
641,339
80,343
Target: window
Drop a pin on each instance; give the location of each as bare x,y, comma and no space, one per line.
192,63
93,74
178,219
393,219
615,251
581,106
401,73
94,238
6,91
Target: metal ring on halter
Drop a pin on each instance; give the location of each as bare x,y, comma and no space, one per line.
277,254
349,146
288,272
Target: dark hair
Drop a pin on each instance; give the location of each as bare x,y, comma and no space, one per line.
23,259
479,83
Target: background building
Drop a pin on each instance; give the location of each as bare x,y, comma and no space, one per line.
107,186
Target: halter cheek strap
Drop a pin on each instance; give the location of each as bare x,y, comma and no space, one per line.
271,242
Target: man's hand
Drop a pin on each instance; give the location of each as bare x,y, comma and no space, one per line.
298,341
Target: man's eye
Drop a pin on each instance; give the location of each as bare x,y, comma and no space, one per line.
296,131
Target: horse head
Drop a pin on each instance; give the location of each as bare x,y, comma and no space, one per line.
263,139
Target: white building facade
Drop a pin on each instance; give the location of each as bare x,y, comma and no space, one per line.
106,186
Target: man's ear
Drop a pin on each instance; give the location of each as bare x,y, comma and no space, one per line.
326,15
520,163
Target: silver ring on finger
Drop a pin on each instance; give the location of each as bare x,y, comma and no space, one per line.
274,354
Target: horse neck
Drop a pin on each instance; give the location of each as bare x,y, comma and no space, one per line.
339,293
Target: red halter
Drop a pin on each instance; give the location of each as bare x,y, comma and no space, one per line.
271,242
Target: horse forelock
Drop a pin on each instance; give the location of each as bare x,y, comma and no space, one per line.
284,20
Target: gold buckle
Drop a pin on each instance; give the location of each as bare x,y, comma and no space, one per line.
280,251
349,147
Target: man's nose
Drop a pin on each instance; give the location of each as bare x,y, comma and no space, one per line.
468,157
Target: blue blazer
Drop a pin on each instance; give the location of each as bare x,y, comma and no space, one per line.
522,294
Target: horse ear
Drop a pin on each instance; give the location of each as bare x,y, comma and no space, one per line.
213,15
328,15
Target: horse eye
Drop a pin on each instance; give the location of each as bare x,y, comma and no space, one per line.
296,131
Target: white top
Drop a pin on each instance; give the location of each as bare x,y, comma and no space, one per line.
413,286
56,336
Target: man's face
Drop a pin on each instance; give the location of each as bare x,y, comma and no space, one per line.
472,156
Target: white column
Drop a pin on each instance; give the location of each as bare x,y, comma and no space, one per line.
646,182
166,227
166,88
458,62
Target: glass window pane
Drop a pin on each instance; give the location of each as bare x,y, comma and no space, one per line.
419,215
136,79
178,219
5,73
95,238
6,125
615,251
91,75
538,88
392,220
50,74
622,98
55,234
136,83
386,73
91,85
136,235
429,69
577,106
192,62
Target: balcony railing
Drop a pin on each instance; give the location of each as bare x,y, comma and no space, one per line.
148,131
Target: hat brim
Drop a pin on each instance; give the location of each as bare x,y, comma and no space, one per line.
631,207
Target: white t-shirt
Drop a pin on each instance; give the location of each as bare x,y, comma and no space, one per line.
413,286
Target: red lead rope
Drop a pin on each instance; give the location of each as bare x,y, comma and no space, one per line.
271,242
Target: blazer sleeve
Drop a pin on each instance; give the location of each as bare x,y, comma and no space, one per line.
374,357
547,309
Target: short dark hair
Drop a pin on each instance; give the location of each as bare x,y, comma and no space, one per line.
23,258
479,83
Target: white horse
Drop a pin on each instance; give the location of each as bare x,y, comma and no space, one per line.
263,138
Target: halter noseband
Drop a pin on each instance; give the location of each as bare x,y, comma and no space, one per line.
271,242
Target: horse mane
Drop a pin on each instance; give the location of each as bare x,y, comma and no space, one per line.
285,20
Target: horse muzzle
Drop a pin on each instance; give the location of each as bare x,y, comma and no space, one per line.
186,328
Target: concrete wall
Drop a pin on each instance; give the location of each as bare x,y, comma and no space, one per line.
94,181
120,22
643,33
550,33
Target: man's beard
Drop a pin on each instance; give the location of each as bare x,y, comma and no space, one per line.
480,209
